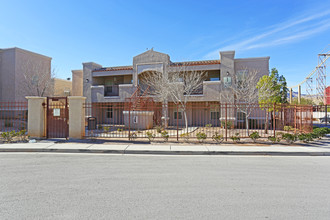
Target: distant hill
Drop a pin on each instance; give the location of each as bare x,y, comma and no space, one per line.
314,98
295,94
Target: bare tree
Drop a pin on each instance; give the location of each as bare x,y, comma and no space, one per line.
183,84
177,86
242,92
158,85
36,78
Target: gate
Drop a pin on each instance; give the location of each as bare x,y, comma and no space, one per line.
57,117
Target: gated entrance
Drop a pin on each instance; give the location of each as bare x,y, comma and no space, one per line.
57,117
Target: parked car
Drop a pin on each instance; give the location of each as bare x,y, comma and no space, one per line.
322,120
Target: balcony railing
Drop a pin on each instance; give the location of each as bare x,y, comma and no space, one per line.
111,90
198,91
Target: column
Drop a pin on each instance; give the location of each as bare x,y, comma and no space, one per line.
36,116
76,117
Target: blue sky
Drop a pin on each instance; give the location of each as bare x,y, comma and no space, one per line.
110,33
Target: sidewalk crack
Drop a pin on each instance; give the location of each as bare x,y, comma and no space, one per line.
126,149
89,146
50,145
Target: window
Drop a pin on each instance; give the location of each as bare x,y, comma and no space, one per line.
176,115
109,112
215,111
114,80
214,76
241,116
215,115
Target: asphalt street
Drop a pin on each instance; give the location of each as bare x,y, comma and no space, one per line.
85,186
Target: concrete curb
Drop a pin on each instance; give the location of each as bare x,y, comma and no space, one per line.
151,152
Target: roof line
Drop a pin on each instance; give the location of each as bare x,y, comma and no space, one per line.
184,63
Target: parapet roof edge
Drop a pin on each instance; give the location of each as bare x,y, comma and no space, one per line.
26,51
253,58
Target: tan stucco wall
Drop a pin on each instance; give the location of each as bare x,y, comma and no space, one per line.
7,72
261,65
76,117
36,117
77,82
88,79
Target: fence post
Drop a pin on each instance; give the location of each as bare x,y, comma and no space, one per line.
301,116
326,114
129,121
266,120
36,116
274,121
77,117
177,123
247,124
220,113
226,120
295,119
281,118
311,123
46,117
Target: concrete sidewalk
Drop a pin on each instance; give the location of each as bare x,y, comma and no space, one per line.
318,148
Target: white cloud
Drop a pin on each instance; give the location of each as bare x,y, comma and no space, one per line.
292,38
282,33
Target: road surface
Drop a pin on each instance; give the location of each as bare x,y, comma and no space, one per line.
84,186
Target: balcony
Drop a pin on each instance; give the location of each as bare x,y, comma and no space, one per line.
198,91
206,88
209,91
117,93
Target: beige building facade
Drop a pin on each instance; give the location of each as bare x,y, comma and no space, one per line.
112,85
20,72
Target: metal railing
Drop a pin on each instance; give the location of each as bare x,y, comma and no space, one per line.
120,120
321,115
13,116
198,91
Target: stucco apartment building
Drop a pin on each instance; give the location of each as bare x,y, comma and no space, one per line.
112,85
14,64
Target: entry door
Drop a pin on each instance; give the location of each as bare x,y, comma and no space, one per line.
57,117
